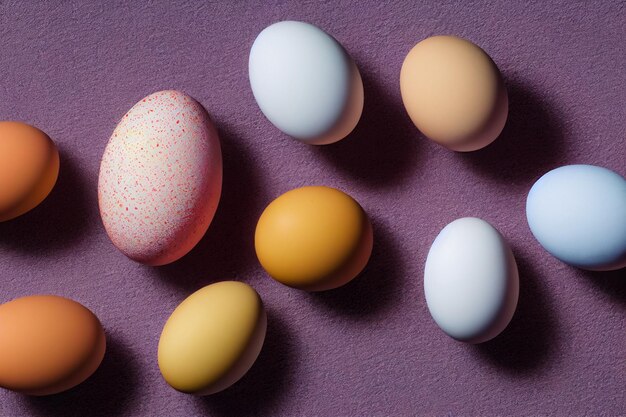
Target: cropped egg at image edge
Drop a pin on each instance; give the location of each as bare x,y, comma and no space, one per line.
312,209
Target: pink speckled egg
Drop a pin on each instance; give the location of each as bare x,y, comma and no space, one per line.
160,178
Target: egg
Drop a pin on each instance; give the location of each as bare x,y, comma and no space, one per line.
313,238
578,214
29,167
212,338
160,178
48,344
471,281
454,93
305,82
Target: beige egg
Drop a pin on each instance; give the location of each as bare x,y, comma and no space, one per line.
454,93
212,338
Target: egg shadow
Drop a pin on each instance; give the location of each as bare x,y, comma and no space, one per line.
227,249
372,292
531,336
62,218
270,380
110,391
613,283
531,143
383,145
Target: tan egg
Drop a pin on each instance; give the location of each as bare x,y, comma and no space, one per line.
29,166
454,93
48,344
212,338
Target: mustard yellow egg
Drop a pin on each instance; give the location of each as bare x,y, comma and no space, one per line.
314,238
212,338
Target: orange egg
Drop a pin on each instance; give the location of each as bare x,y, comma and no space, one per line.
29,166
48,344
314,238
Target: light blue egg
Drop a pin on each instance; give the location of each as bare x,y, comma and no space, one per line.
578,214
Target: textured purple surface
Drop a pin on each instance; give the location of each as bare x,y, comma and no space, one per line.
371,348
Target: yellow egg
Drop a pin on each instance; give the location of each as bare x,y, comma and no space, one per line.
454,93
212,338
314,238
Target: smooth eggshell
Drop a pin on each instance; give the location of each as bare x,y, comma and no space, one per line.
212,338
314,238
578,214
29,167
48,344
305,82
160,178
471,281
454,93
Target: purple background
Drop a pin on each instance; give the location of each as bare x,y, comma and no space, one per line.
370,348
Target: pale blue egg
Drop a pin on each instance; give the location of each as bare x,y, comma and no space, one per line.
578,214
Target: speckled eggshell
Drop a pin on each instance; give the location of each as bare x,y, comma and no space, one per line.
160,178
